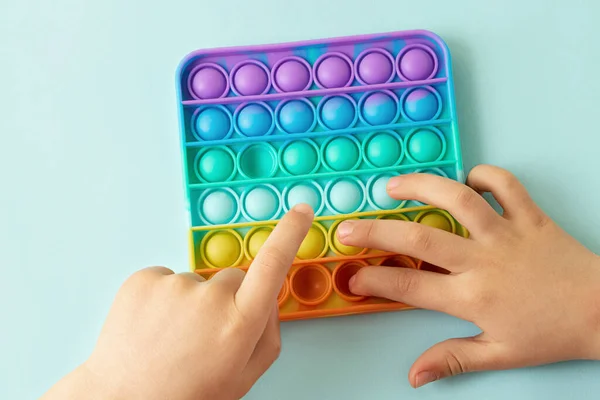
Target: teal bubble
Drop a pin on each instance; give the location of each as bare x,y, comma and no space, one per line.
345,196
379,195
383,150
261,203
213,123
379,108
254,120
296,116
218,207
304,193
341,154
215,165
258,161
425,145
299,158
337,112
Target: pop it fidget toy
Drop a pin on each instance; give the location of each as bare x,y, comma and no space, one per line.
324,122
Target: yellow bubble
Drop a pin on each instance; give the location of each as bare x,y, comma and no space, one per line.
314,244
436,220
255,239
222,249
340,248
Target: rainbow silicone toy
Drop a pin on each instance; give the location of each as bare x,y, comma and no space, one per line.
324,122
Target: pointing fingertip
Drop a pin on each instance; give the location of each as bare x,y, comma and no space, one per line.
393,183
345,229
423,378
304,209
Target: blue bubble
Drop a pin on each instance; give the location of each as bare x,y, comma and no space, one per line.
212,123
296,116
379,195
254,120
421,105
379,109
337,112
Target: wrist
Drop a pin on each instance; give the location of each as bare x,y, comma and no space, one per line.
80,383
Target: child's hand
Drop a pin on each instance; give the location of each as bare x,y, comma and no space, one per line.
174,336
532,289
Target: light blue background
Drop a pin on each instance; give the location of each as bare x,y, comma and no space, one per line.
92,185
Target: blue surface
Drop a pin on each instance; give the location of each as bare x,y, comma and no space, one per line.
92,182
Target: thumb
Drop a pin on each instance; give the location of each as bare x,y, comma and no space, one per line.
454,357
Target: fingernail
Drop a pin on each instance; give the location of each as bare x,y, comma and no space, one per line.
345,229
351,282
393,183
303,209
424,377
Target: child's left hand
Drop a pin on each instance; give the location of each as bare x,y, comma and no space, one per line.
174,336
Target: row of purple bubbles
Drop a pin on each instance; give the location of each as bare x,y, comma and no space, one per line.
296,116
331,70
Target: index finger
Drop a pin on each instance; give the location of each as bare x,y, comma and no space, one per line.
266,274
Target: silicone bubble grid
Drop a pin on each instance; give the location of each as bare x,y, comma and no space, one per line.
325,122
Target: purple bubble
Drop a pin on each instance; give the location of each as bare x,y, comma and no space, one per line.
375,67
333,71
292,75
250,78
208,82
417,64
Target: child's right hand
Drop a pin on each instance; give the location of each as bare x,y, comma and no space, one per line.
532,289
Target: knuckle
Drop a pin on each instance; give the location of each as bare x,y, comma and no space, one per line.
454,364
275,348
541,220
419,238
272,259
406,281
507,180
465,197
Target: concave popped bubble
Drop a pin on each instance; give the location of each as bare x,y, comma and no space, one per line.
345,195
261,203
292,74
222,249
374,66
399,261
417,62
425,145
218,206
295,116
379,108
307,192
341,279
258,160
212,123
254,240
299,157
333,70
314,244
383,149
215,164
249,78
337,246
378,196
254,119
341,153
208,81
311,284
421,104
